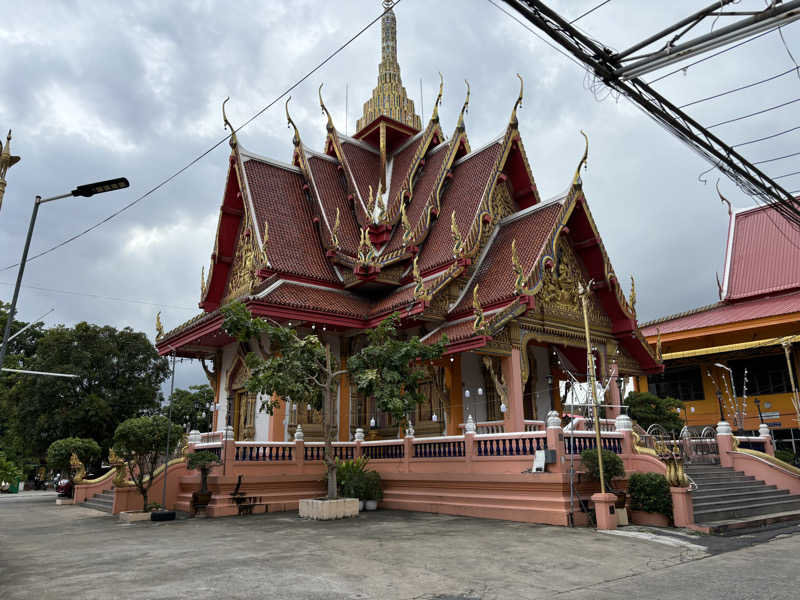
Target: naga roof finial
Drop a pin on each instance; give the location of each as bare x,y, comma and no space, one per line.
458,242
658,344
381,202
516,266
632,298
264,259
406,224
335,231
233,141
159,326
464,109
576,180
203,287
724,200
435,115
420,293
329,126
371,205
479,324
296,139
513,122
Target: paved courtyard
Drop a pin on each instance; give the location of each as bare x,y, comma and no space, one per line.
73,552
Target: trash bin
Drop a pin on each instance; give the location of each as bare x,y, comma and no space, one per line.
13,488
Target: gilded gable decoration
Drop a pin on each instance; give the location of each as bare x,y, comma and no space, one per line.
479,323
203,283
420,293
407,231
335,231
263,253
516,266
632,299
458,242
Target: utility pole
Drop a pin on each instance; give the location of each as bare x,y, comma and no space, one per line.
6,161
787,348
584,294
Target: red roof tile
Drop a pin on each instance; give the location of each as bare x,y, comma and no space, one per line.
293,245
364,166
456,332
333,195
314,298
764,255
464,197
400,165
723,313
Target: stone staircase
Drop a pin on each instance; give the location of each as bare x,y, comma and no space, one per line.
726,499
103,501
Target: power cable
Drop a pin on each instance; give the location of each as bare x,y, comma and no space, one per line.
761,162
100,297
591,10
758,112
787,175
212,148
744,87
768,137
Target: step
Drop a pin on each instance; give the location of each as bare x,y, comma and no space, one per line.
719,502
741,484
790,503
102,506
713,477
707,471
724,525
767,491
101,500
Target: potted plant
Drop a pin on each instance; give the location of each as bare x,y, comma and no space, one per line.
372,490
651,501
204,461
350,479
612,467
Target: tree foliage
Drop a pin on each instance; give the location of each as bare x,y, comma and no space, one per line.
141,442
60,451
389,368
119,377
191,409
650,492
646,408
612,465
9,471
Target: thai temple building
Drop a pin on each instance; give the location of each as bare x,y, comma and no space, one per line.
738,358
402,218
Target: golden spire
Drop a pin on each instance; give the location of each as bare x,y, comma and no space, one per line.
406,224
460,125
632,299
516,266
577,178
159,326
435,115
389,98
458,242
513,122
329,126
420,293
479,324
296,139
335,231
233,141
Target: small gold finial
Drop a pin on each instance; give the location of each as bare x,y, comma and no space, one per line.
296,139
159,326
464,109
329,126
420,293
632,299
335,231
203,282
516,266
406,224
381,204
458,242
233,141
479,324
576,180
435,115
518,103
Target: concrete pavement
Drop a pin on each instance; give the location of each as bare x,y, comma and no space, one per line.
71,551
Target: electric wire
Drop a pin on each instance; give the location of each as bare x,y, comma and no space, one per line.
767,137
591,10
209,150
787,175
761,162
100,296
738,89
753,114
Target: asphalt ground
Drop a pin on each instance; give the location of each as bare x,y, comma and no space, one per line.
49,551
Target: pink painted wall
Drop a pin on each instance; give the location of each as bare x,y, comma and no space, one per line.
86,491
129,498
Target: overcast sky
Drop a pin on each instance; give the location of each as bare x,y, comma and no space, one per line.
101,90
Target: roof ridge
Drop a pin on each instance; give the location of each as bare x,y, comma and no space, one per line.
531,209
474,153
680,315
265,159
359,143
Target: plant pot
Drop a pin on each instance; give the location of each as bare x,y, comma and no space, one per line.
323,509
640,517
162,515
200,499
371,505
132,516
360,505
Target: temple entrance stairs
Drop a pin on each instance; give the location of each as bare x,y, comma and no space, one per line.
726,499
103,501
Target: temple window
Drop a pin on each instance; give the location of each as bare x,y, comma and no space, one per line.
681,383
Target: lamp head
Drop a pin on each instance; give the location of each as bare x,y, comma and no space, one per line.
100,187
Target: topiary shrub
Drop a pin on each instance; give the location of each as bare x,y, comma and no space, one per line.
612,465
60,451
372,487
203,461
650,493
786,456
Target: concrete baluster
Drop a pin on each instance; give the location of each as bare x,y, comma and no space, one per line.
763,431
408,450
724,443
682,507
193,439
359,437
555,441
228,450
624,425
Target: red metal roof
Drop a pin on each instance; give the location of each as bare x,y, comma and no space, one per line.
764,254
723,313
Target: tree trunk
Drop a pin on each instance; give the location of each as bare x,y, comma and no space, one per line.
144,499
328,449
204,480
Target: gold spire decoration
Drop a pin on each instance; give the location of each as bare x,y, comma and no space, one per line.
296,139
329,126
389,98
435,115
6,161
232,141
264,259
516,266
203,287
464,109
576,180
366,251
632,299
371,206
420,293
335,231
479,324
407,231
513,122
458,242
159,326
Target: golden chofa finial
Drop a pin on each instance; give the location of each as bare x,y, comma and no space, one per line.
516,266
435,115
420,293
264,259
458,242
632,298
296,139
576,180
464,109
203,287
371,206
513,122
335,231
406,224
479,324
233,141
329,126
159,326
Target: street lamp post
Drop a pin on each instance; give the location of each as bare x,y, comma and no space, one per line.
719,402
738,413
86,191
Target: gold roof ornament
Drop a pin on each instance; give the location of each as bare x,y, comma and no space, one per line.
464,109
371,206
479,324
407,231
381,204
159,326
6,161
78,467
329,125
366,251
458,241
724,200
576,180
420,293
658,343
264,258
516,266
296,138
435,115
233,141
203,285
513,121
632,298
335,231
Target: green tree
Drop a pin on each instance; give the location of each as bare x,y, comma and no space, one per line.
389,370
60,451
9,471
191,409
646,409
119,376
141,442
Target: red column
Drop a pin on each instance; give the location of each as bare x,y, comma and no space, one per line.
612,394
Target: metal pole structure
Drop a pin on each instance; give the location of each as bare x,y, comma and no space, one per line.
795,399
584,293
719,403
31,324
169,430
